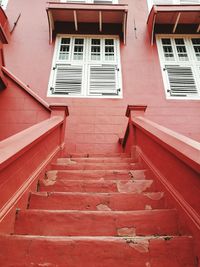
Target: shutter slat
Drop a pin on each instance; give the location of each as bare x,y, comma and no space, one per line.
181,80
68,79
103,80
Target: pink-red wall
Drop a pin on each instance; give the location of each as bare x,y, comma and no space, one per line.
18,110
94,125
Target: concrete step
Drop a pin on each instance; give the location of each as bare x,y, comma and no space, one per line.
72,165
98,155
96,201
96,223
96,174
101,185
94,160
35,251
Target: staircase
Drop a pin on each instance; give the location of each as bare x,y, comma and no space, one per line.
96,211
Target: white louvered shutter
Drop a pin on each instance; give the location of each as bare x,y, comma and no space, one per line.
181,80
103,1
86,66
188,2
68,80
103,80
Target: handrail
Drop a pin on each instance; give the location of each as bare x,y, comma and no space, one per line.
14,146
183,147
173,160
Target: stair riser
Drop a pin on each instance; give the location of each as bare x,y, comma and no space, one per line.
97,202
106,155
95,160
98,253
93,174
94,186
96,223
95,166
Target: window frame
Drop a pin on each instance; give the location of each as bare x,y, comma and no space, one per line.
192,62
4,4
89,62
87,1
150,3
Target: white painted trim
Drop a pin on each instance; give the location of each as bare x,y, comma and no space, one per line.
193,62
150,3
86,61
85,1
4,4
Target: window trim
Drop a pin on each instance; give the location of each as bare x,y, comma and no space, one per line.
4,4
150,3
83,95
87,2
192,62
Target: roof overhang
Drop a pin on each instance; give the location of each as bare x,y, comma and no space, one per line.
87,13
166,19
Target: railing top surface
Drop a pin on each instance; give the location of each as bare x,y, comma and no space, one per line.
14,146
185,148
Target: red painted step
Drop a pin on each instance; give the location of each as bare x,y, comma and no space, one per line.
32,251
94,166
94,160
97,201
96,223
95,155
96,174
101,185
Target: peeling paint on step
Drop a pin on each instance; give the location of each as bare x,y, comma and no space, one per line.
51,175
47,265
66,161
103,207
50,179
155,196
129,232
141,245
148,207
138,174
148,264
133,187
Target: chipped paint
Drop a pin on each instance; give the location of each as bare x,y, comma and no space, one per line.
155,196
138,174
50,178
140,245
51,175
133,187
148,207
129,232
66,161
103,207
47,265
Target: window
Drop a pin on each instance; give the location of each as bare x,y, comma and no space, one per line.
86,67
180,64
3,3
91,1
150,3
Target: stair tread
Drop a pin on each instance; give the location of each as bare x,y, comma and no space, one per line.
101,238
96,251
67,222
100,185
96,201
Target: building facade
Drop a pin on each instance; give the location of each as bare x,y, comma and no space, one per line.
119,54
77,176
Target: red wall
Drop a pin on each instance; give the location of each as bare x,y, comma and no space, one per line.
18,110
95,125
